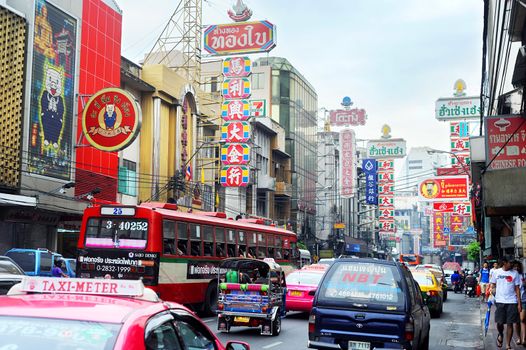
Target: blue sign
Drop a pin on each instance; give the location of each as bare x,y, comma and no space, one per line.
446,230
352,248
370,169
346,102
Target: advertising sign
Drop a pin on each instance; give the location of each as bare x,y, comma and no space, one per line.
370,168
235,154
258,108
386,225
443,207
392,148
461,239
457,108
238,38
111,119
52,101
233,88
235,110
203,270
459,144
347,144
348,117
459,129
450,171
385,193
235,176
234,132
237,67
439,237
506,142
444,188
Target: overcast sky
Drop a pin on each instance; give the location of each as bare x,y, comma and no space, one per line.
394,58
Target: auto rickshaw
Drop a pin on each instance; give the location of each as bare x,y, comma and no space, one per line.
251,294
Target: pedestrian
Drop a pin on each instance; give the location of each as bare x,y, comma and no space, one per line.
484,280
505,284
521,326
57,271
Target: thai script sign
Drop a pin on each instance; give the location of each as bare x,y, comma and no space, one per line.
444,188
235,132
234,176
237,67
346,117
233,88
235,110
235,154
370,168
111,119
457,108
347,142
236,38
392,148
505,142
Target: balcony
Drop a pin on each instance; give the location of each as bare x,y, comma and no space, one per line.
283,189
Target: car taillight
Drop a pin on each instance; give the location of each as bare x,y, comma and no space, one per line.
432,293
312,322
409,332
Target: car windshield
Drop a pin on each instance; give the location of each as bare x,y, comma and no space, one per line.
124,233
361,284
45,333
8,267
424,280
303,277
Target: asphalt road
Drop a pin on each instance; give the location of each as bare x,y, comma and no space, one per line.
459,328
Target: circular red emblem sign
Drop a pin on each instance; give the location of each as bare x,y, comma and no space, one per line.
111,119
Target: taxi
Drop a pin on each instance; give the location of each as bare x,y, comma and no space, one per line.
431,291
93,314
302,285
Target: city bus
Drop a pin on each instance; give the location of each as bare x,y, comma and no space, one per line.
412,259
176,253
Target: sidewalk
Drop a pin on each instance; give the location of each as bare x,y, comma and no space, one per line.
490,340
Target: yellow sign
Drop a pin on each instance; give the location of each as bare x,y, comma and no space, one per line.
339,225
326,253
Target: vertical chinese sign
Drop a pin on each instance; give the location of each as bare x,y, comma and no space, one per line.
370,169
386,196
235,131
347,144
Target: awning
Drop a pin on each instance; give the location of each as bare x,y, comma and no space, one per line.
14,199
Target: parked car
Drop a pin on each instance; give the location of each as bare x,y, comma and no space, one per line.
438,272
96,314
302,285
10,274
368,304
432,292
34,262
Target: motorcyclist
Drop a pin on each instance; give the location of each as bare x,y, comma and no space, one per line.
471,282
455,280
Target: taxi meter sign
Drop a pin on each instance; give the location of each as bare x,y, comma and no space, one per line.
82,286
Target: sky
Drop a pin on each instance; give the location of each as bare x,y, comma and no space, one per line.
393,58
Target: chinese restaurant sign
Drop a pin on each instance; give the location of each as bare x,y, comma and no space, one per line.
389,148
444,188
457,108
506,142
242,37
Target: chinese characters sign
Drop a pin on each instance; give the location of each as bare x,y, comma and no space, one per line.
235,154
444,188
237,67
234,176
235,131
370,169
506,142
386,195
236,88
347,142
235,110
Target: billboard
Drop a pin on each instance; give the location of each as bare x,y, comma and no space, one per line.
234,176
444,188
457,108
237,38
389,148
505,142
346,117
52,92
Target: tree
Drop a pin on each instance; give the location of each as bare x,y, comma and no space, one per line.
473,250
301,245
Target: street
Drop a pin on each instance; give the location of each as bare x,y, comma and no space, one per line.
459,327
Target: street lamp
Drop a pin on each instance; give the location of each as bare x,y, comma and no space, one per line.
461,162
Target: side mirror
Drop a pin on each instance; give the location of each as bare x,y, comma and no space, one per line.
237,345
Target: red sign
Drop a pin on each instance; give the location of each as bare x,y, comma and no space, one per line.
235,176
450,171
439,238
443,207
235,110
444,188
82,286
235,154
348,167
111,119
354,117
243,37
237,67
459,144
499,130
235,132
233,88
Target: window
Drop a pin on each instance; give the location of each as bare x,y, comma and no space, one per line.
208,240
163,337
182,238
125,233
195,240
169,237
258,81
192,334
220,242
46,261
241,244
128,178
262,246
231,243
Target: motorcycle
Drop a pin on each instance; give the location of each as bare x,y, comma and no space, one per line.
456,287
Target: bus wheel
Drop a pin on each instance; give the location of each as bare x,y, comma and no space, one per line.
210,305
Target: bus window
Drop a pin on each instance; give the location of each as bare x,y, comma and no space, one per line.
262,246
270,244
220,242
241,244
208,240
124,233
169,237
182,238
231,243
195,240
252,243
279,255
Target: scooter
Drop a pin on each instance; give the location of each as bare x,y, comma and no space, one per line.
456,287
470,291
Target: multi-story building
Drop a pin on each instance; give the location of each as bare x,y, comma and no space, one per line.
420,163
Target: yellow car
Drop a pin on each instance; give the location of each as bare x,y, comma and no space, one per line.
431,291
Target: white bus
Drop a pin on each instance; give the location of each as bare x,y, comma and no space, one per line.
304,257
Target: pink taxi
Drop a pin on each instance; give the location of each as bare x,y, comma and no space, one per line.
302,285
93,314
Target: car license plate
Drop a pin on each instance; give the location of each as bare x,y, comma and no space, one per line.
296,293
359,345
241,319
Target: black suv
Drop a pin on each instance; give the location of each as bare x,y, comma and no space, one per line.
367,304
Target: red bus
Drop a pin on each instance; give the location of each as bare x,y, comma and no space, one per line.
177,253
412,259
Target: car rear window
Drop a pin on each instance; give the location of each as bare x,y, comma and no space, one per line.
26,260
46,333
303,277
364,285
424,280
8,267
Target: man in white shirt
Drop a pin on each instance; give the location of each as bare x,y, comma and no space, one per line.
505,284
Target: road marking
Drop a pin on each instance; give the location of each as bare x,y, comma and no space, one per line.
208,320
272,345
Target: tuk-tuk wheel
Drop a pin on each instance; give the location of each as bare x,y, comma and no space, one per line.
276,325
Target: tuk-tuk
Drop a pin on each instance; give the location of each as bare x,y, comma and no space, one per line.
251,294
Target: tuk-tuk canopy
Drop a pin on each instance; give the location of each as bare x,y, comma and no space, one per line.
247,264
